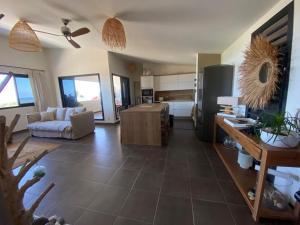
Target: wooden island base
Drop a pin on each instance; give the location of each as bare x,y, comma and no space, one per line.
145,124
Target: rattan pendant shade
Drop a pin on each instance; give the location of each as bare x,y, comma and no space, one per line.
113,33
23,38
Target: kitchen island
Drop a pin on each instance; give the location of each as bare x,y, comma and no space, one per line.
145,124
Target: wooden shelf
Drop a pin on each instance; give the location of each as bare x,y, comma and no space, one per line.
244,179
247,179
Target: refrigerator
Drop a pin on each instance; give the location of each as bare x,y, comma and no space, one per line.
215,81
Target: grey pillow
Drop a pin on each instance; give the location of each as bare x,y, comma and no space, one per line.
60,113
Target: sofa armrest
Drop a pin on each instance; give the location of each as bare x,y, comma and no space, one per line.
33,117
82,124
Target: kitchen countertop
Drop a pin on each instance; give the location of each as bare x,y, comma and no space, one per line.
155,107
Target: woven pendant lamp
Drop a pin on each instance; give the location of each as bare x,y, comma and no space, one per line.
113,33
23,38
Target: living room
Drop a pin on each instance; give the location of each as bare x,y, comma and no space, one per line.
107,170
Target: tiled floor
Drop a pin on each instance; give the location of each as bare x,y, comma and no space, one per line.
99,181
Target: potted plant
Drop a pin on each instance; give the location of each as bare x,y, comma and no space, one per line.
279,130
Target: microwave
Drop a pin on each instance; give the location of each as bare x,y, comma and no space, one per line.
147,92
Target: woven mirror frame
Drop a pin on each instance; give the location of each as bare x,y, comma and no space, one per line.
259,73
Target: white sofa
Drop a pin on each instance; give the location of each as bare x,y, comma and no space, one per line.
73,125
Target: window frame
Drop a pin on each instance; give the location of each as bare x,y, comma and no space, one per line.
20,105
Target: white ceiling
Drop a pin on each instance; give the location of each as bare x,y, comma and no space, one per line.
159,30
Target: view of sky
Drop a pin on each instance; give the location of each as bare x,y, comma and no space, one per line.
9,97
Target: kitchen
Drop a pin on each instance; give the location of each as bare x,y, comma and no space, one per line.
163,98
177,90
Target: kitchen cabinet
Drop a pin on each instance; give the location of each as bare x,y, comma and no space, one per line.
180,108
174,82
147,82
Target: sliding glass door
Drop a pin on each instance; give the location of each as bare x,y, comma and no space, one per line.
82,90
121,93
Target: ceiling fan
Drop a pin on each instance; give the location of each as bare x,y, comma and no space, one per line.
66,32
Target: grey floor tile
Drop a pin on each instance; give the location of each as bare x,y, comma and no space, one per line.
176,186
231,193
140,205
93,218
125,221
124,178
208,213
206,189
109,200
174,211
149,182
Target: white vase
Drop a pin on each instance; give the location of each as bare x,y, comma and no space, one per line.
281,141
245,160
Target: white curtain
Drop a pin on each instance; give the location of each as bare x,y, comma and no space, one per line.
36,79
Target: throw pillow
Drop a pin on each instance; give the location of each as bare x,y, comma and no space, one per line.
52,109
60,113
70,112
47,116
80,109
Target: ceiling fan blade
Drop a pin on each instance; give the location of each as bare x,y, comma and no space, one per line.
1,16
80,31
75,44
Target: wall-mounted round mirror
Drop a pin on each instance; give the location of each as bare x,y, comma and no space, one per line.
259,73
264,72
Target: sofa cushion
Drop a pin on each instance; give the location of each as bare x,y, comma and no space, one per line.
54,125
52,109
60,113
70,112
47,116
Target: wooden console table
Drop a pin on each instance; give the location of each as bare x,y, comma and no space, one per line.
247,179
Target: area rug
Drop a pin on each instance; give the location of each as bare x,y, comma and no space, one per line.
31,150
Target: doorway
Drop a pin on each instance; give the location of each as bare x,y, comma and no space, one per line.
82,90
121,86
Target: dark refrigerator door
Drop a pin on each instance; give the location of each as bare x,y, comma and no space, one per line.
217,81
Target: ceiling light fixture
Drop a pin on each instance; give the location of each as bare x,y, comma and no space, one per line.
113,33
23,38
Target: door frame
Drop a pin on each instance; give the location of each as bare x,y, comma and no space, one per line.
60,78
113,89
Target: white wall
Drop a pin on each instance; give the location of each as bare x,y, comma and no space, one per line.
70,62
14,58
234,55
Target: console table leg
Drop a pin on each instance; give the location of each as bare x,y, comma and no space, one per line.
260,185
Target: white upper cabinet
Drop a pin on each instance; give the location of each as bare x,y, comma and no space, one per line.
174,82
147,82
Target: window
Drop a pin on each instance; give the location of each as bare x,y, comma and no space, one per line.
15,91
82,90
